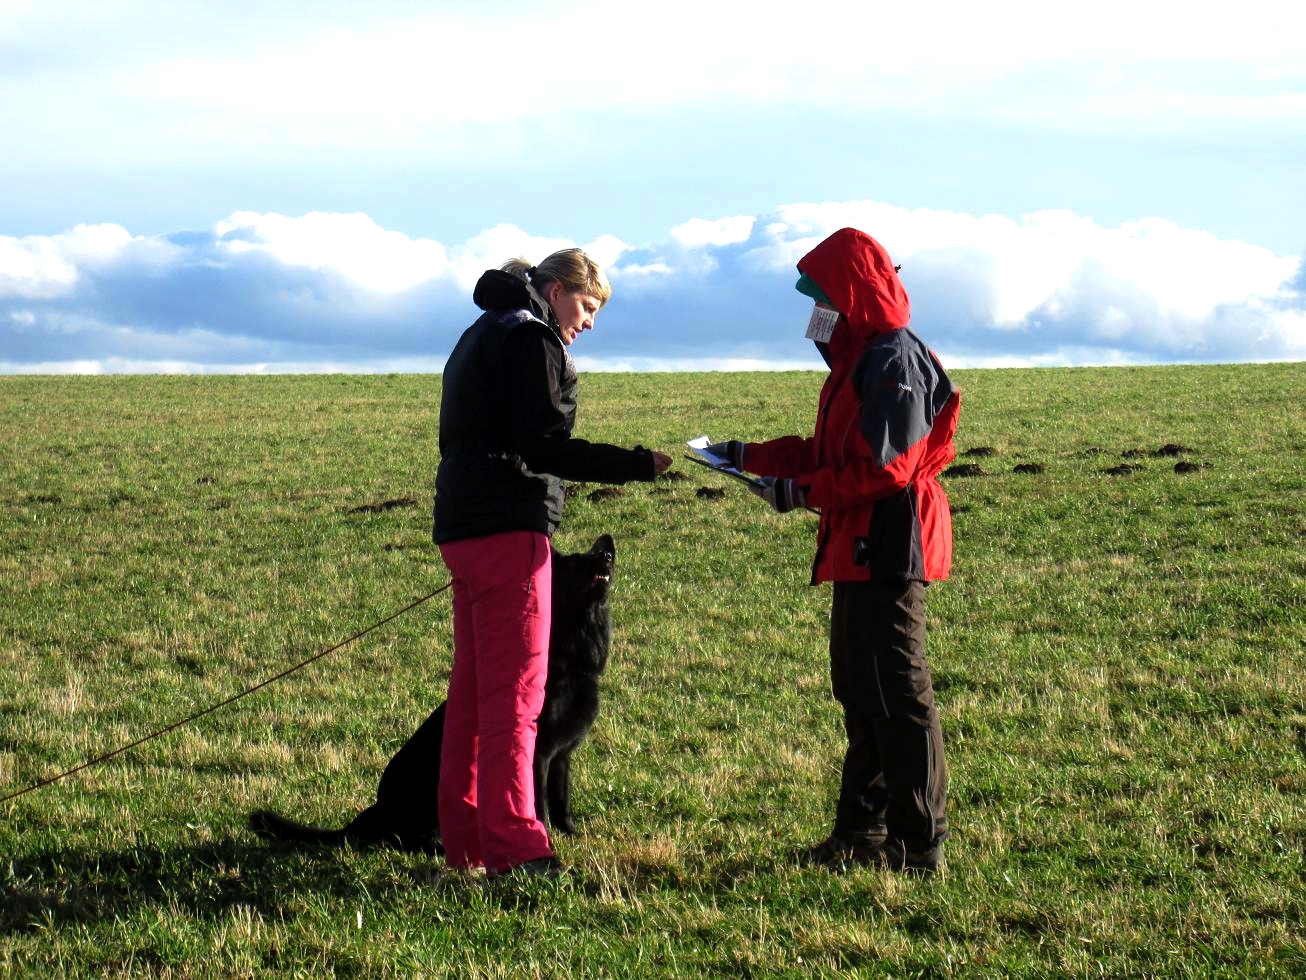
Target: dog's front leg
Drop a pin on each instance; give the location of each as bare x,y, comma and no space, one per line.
560,792
540,769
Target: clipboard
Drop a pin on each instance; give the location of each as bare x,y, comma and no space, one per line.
729,471
704,458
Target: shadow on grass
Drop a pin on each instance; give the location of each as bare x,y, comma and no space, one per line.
58,887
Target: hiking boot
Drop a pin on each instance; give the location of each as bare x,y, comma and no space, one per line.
836,852
895,855
839,854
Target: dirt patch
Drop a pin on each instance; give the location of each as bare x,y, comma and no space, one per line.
1032,468
710,493
964,469
1124,469
981,451
384,505
1183,466
1170,449
604,493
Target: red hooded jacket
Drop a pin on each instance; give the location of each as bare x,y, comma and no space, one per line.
884,428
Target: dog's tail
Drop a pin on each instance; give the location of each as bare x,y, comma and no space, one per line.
273,826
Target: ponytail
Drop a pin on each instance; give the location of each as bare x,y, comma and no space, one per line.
520,268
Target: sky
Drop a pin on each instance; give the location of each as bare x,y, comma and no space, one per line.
205,187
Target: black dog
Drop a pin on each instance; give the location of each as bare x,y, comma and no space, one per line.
405,814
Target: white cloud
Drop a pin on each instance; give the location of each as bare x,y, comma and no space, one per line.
352,245
491,248
606,250
375,260
42,266
1169,287
405,76
698,232
273,292
1289,72
642,274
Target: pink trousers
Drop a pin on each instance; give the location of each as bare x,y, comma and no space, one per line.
502,587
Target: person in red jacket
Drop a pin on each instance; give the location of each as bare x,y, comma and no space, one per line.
884,431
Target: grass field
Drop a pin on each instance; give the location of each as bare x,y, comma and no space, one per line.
1118,656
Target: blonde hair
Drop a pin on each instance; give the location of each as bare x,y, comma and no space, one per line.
570,266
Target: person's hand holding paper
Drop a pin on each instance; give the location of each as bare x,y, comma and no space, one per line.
732,451
717,456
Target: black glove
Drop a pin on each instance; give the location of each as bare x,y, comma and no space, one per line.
732,450
783,495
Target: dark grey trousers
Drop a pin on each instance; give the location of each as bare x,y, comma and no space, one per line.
895,780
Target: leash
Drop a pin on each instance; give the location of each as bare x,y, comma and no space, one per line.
231,700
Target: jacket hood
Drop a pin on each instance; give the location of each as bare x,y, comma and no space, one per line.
856,273
499,290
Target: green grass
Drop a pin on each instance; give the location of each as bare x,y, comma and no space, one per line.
1119,661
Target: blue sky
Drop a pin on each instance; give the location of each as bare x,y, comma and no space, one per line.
227,187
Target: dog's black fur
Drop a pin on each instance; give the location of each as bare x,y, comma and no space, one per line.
405,815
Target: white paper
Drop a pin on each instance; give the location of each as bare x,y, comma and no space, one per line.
718,463
700,445
821,326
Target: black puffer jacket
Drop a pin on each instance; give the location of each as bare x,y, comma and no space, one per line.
507,411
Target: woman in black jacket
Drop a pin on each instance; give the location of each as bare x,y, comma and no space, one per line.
507,411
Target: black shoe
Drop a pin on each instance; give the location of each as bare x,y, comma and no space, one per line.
545,867
839,854
836,852
895,855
